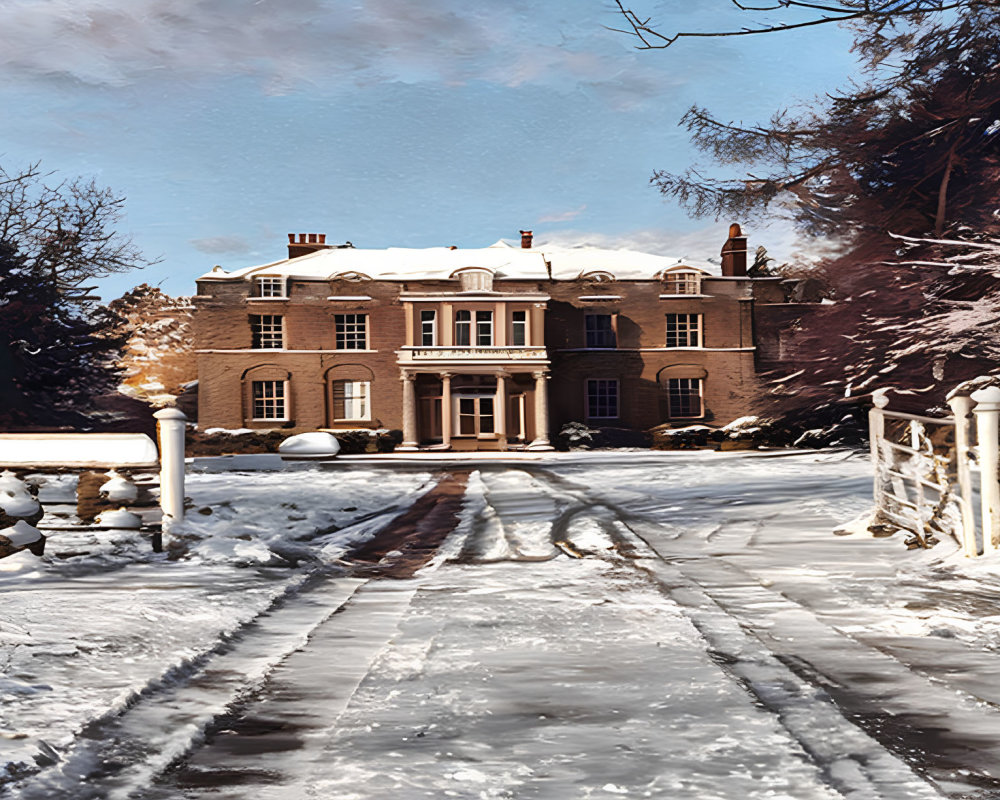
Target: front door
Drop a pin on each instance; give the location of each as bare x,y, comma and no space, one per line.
474,416
430,419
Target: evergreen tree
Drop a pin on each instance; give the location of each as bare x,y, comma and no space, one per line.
58,345
55,355
904,166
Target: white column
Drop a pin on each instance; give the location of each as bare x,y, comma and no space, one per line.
170,426
987,413
541,440
446,409
409,412
961,407
500,411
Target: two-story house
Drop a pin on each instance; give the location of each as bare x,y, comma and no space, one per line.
488,348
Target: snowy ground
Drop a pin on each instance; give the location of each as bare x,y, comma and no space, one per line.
715,641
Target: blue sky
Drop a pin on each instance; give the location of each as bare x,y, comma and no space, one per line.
230,123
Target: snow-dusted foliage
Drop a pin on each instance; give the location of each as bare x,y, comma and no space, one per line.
157,361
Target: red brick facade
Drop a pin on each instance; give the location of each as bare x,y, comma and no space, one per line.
494,353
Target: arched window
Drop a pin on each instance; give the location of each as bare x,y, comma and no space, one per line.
349,394
684,385
267,394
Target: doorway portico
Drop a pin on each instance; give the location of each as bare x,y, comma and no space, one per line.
463,407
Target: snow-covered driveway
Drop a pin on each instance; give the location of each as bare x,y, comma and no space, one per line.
714,641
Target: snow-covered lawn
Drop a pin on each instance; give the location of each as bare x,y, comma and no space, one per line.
716,640
102,618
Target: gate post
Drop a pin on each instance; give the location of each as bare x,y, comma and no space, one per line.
961,406
987,413
171,426
876,433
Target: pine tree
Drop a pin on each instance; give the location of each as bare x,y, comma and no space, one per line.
58,345
903,166
55,355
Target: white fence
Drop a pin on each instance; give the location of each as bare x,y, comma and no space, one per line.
924,471
85,450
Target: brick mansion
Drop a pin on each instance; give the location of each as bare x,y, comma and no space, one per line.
478,349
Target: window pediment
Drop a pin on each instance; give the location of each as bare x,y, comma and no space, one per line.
350,276
596,276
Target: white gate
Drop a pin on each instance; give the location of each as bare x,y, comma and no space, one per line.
923,470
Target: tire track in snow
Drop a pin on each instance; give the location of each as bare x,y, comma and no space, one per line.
854,763
116,754
271,746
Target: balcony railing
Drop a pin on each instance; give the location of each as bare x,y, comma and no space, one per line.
494,353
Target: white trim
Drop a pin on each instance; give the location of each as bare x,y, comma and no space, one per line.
257,282
264,299
361,298
434,327
281,350
700,395
365,397
593,298
683,296
650,349
285,401
477,297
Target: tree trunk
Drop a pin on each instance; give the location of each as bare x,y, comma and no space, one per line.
943,193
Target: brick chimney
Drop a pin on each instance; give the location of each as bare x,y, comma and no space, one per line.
734,254
304,243
526,240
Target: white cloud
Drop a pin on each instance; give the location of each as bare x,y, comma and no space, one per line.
290,43
563,216
782,241
222,245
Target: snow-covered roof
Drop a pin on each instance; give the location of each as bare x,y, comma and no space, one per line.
440,263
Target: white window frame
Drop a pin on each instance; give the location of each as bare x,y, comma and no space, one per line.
682,283
588,330
428,328
484,325
674,386
357,401
687,331
598,384
271,401
346,328
477,416
515,324
267,332
274,287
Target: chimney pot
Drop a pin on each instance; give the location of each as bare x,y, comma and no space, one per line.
313,238
526,240
322,238
302,238
291,238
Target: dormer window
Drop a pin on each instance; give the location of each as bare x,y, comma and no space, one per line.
476,279
269,286
682,283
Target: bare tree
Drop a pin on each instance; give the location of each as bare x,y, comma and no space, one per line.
58,345
66,229
875,16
